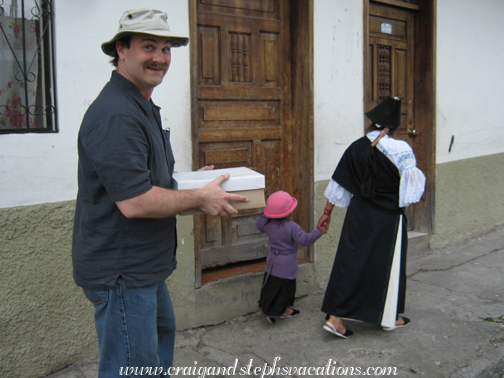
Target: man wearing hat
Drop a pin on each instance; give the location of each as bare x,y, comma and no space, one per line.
125,237
375,180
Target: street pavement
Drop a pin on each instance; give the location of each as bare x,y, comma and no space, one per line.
455,300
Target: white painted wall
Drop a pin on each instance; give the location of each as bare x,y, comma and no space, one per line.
338,80
40,168
470,78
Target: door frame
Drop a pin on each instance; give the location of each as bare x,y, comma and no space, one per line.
302,108
424,108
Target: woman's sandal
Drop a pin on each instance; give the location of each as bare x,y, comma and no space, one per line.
332,329
406,320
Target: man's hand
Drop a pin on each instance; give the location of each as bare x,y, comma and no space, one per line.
216,200
160,202
206,168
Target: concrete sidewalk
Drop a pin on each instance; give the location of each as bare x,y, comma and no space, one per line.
455,299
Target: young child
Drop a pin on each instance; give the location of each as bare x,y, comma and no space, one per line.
279,282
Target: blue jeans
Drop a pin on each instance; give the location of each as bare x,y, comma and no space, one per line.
136,328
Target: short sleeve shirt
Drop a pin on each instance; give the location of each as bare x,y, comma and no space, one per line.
123,153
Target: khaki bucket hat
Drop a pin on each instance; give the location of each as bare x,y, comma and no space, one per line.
145,21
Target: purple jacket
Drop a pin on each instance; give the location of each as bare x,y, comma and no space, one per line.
284,238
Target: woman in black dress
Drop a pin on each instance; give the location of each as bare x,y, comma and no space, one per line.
375,180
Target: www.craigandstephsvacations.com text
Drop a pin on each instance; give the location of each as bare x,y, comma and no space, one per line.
261,371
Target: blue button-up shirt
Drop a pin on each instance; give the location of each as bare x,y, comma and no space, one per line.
123,153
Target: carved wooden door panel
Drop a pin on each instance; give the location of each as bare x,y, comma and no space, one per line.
390,68
243,112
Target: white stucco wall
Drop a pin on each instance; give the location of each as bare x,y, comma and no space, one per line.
40,168
470,78
338,80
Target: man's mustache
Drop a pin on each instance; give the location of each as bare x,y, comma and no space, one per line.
160,66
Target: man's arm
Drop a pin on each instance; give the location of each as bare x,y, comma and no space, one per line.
160,202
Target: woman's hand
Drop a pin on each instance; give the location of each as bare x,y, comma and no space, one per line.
325,219
323,223
323,228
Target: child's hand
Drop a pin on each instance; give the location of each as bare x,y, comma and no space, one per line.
323,228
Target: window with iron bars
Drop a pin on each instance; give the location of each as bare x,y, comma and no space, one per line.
27,80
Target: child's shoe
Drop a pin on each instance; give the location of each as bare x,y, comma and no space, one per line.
291,315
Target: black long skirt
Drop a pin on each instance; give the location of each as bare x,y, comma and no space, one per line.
368,279
276,295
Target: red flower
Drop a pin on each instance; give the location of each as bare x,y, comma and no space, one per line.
15,116
9,84
21,85
16,101
17,120
16,29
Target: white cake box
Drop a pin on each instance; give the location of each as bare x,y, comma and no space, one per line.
241,180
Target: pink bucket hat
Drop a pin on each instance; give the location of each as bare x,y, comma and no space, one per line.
279,205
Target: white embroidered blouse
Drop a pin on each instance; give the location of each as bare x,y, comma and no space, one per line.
412,184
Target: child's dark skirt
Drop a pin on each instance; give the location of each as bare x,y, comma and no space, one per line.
276,295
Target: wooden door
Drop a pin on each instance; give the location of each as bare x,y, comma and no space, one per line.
242,114
390,71
391,63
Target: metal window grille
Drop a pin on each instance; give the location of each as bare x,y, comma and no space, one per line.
27,80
